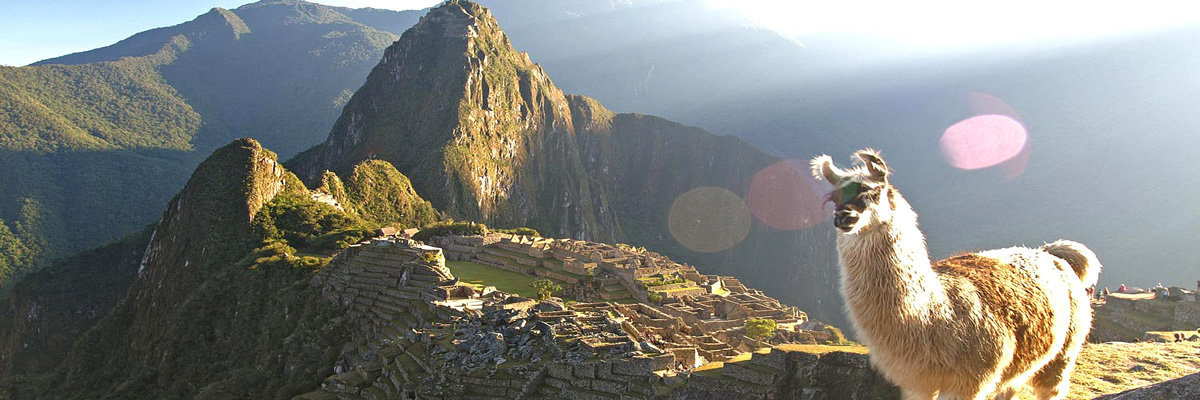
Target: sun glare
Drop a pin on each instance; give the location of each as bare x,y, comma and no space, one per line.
942,24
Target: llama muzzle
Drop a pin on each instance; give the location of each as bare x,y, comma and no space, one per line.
845,219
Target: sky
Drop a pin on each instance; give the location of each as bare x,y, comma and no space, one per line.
946,25
32,30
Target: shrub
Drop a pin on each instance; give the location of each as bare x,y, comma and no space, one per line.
760,328
432,257
545,288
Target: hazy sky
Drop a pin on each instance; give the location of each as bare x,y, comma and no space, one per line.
939,25
32,30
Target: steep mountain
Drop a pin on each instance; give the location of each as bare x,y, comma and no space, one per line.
103,137
214,302
221,265
485,135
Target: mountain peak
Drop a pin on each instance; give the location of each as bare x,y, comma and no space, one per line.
208,222
223,19
454,105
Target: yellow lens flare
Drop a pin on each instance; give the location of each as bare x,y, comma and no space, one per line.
709,219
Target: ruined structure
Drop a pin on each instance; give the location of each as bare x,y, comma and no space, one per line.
424,333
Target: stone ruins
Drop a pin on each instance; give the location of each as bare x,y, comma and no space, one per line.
640,321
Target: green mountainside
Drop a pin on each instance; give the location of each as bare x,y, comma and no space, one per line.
213,302
91,143
486,136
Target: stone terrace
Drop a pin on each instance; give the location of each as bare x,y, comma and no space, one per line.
706,313
423,334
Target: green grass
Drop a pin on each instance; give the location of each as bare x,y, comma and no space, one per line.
516,254
559,271
485,275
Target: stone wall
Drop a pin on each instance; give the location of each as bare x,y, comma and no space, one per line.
783,374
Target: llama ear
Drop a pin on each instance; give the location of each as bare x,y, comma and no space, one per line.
877,170
823,168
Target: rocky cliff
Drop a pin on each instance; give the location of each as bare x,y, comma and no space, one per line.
486,136
481,129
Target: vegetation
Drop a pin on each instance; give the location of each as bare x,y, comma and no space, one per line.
481,275
383,195
669,279
67,297
654,297
546,288
522,231
760,328
24,244
451,228
298,221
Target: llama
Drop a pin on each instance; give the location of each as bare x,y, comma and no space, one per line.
972,326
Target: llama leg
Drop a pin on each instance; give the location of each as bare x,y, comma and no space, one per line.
1053,381
1005,394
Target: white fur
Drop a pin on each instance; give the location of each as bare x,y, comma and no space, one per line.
933,335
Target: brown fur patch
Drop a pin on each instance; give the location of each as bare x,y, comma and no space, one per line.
1051,377
1019,306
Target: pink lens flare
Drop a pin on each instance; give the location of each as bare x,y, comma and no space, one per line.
784,196
983,141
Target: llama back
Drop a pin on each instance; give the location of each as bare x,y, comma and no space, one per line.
1081,259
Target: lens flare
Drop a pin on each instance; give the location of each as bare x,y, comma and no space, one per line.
709,219
983,141
784,196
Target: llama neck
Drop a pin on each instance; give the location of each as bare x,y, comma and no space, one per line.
887,277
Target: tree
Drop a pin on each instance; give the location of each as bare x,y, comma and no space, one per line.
760,328
545,288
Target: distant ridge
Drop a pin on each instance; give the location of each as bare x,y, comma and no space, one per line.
217,22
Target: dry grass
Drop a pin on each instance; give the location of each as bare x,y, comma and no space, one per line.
804,348
1102,368
822,349
1117,367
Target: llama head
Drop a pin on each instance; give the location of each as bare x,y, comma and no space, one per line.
860,194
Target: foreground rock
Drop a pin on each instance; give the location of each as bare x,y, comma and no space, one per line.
1187,387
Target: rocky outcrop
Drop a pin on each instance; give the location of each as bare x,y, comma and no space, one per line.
817,372
1187,387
